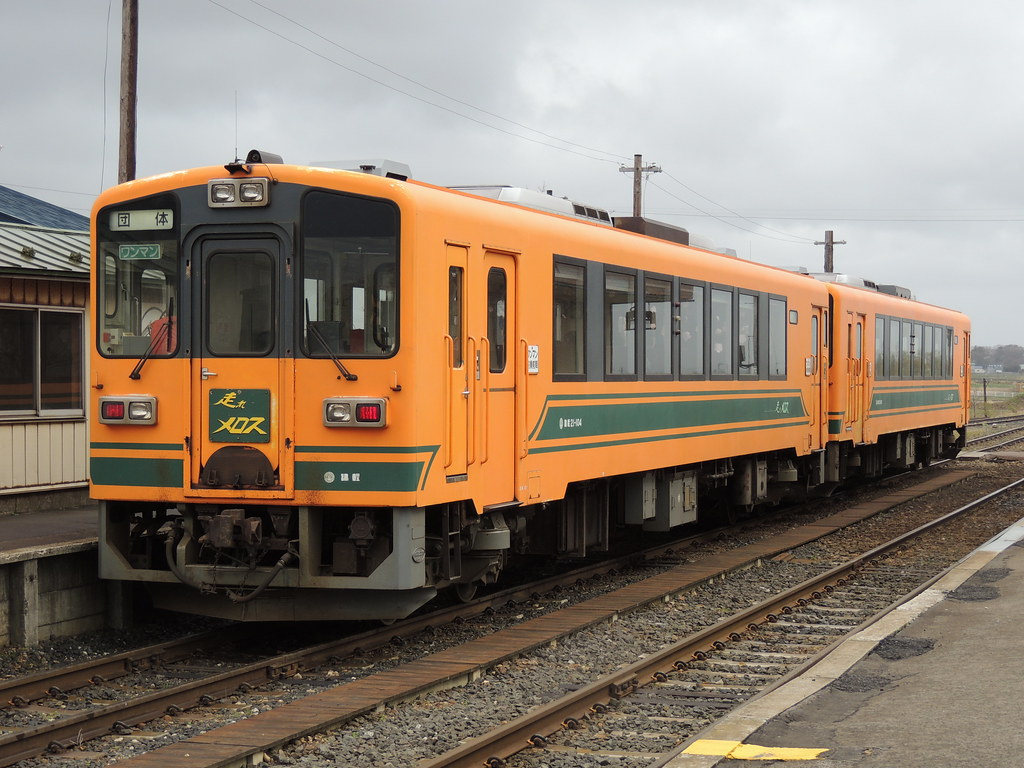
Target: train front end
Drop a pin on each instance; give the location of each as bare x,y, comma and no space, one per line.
250,449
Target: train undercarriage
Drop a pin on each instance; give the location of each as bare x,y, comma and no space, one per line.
259,562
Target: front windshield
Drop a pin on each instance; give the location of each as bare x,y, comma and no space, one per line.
349,302
137,279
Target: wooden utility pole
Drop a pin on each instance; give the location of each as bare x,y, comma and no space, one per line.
638,169
828,242
129,73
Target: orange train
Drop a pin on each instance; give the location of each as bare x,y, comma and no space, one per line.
326,393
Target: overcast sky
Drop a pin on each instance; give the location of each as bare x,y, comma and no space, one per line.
899,125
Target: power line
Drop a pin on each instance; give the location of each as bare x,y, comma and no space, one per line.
425,87
47,189
420,98
788,238
740,216
867,220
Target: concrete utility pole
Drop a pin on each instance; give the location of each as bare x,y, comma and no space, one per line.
638,170
129,73
828,242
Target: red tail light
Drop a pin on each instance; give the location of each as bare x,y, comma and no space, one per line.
368,412
355,412
112,410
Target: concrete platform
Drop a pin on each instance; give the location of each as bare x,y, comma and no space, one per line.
49,576
33,534
937,682
1004,455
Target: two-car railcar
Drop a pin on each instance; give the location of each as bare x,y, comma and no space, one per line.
321,393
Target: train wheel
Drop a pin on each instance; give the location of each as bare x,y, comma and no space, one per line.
466,592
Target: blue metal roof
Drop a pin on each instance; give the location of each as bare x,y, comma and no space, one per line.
42,251
16,208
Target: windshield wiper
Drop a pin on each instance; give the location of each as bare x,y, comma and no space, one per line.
349,376
161,334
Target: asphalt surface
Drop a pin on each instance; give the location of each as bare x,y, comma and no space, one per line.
935,683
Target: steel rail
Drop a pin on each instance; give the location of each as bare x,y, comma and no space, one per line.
69,731
1004,443
534,728
20,691
994,435
72,731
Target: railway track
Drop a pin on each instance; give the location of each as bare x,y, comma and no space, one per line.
689,684
1005,437
29,727
339,704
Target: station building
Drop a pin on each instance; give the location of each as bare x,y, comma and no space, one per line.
44,296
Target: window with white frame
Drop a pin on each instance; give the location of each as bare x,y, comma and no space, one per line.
43,368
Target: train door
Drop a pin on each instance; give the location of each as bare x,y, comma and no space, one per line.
494,376
816,369
241,387
965,378
456,341
853,420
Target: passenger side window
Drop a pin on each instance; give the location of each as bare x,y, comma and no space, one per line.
619,324
747,335
906,365
777,338
926,352
894,349
569,321
455,314
721,333
691,330
880,371
657,327
497,291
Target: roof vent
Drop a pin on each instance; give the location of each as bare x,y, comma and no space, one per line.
896,290
838,277
389,169
653,228
539,201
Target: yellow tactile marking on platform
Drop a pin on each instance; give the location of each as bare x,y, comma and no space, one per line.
737,750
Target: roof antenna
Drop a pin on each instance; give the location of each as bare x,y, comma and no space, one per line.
236,126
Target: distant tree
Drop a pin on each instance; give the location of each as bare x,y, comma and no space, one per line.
1010,356
981,355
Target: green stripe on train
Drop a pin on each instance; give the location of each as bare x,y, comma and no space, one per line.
617,418
901,399
358,475
137,472
638,440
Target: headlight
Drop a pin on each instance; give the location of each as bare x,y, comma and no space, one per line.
238,193
338,413
251,192
222,194
355,412
140,411
136,410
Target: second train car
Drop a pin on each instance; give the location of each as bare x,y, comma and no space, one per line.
329,394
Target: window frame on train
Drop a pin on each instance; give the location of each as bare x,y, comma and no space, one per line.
569,316
378,294
912,350
684,338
